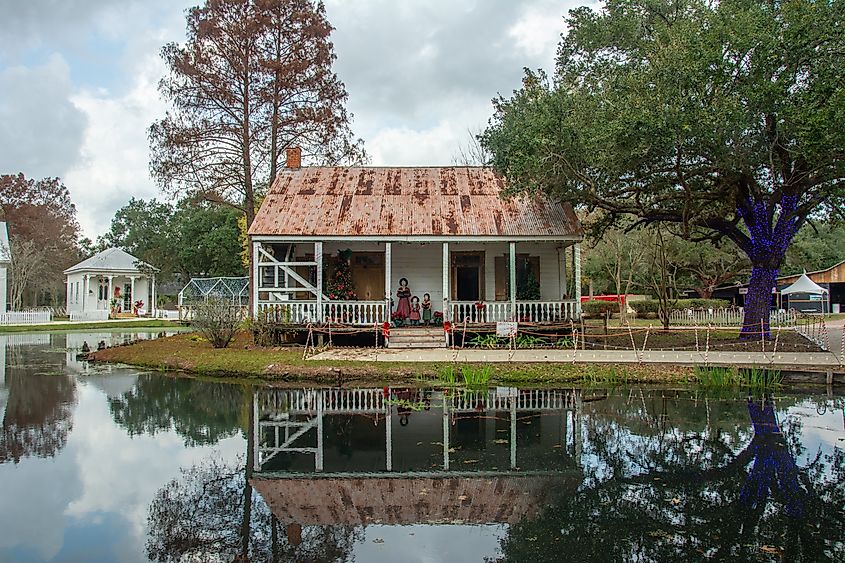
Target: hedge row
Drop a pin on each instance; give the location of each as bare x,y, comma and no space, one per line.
653,306
599,307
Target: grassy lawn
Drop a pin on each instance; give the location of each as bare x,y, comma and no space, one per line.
52,327
190,354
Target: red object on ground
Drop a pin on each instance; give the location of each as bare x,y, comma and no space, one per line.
612,298
447,326
385,329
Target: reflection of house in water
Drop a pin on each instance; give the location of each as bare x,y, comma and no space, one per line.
8,344
402,456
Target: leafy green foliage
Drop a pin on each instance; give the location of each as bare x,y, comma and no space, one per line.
189,240
600,307
722,119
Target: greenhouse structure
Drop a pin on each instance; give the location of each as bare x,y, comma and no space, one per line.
200,290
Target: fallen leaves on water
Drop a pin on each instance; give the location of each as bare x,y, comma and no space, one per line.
470,461
500,441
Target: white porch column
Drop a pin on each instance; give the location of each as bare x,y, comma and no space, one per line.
388,277
512,277
132,293
256,278
85,282
447,313
576,249
561,260
110,296
318,258
153,297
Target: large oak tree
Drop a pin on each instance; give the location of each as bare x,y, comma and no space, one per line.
723,119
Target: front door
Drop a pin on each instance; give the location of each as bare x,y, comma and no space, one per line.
368,275
468,276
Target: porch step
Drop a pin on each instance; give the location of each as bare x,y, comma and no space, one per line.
417,337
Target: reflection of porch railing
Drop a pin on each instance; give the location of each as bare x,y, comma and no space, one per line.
338,312
526,311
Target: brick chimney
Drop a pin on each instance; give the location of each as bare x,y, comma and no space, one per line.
294,157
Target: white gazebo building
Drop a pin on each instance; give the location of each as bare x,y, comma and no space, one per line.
110,282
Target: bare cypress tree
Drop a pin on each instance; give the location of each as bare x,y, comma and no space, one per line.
253,77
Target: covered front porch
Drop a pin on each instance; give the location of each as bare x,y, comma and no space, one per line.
466,280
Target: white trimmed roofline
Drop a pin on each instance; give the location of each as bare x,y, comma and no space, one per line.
414,238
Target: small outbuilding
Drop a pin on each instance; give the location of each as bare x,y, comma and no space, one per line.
112,282
807,296
5,263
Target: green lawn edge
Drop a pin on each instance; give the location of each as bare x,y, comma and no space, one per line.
187,354
54,327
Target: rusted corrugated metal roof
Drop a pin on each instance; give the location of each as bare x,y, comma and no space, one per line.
374,201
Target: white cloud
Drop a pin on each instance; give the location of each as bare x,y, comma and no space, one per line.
537,32
114,160
40,130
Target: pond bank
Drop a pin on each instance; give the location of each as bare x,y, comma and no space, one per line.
116,324
192,355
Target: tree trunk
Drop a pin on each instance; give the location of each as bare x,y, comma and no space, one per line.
758,303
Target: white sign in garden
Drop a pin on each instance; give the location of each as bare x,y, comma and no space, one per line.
506,329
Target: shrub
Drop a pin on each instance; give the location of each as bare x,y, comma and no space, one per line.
217,320
599,307
652,306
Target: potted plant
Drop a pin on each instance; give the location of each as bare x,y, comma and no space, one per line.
137,306
398,318
114,306
437,318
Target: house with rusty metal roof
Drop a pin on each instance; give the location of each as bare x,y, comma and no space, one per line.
416,244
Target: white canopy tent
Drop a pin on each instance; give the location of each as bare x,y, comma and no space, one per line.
804,285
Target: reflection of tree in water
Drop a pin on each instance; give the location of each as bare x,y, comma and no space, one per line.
688,495
39,414
211,513
200,412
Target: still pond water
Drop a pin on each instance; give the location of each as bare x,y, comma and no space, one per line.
116,464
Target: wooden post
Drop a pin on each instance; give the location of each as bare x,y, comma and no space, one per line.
447,314
576,250
318,258
388,280
512,277
256,277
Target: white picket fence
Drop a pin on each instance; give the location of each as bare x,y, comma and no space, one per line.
99,315
25,317
727,317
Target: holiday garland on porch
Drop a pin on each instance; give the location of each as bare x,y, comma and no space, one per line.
339,284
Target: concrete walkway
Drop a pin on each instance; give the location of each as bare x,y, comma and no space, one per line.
790,360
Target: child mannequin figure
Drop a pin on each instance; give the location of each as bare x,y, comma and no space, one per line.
415,310
426,309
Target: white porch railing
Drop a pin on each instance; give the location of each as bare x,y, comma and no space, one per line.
99,315
25,317
357,313
526,311
727,317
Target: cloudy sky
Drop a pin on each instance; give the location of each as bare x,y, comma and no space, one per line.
78,82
